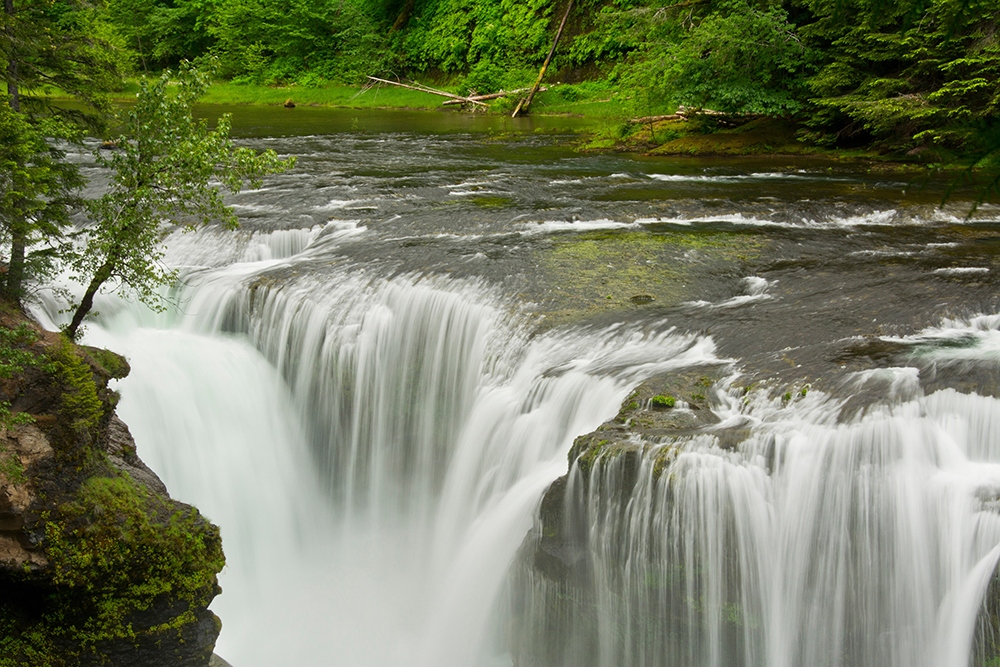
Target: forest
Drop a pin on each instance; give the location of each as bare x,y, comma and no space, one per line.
901,75
377,352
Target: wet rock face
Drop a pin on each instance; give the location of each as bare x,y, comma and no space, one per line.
22,450
98,565
554,606
664,407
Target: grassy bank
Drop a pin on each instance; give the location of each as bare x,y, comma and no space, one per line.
614,110
591,99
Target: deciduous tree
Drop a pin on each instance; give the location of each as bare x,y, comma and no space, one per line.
739,59
168,169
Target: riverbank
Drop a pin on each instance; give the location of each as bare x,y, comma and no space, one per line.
617,115
595,99
618,122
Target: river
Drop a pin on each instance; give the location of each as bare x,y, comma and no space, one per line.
370,385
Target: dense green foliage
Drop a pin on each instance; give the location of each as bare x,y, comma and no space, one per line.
43,43
903,75
740,58
80,407
14,359
906,74
270,41
57,43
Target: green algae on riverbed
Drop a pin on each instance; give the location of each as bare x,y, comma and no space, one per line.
606,271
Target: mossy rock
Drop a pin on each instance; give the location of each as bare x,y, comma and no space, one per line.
661,402
112,364
99,566
595,273
758,136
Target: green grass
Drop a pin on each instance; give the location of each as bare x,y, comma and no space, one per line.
593,99
331,95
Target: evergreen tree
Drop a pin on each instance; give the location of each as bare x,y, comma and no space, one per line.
37,191
42,43
907,75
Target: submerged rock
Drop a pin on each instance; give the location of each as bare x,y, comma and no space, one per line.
98,565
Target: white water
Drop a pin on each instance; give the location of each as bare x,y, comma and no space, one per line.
868,543
373,452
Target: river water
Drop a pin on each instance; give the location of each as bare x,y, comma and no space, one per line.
370,385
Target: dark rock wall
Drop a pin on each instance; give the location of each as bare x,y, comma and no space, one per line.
98,565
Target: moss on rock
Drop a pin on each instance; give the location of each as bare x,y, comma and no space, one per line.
98,565
612,270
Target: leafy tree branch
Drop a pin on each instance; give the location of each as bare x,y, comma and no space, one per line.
168,168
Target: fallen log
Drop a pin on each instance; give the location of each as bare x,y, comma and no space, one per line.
692,111
524,103
688,112
654,119
428,89
493,96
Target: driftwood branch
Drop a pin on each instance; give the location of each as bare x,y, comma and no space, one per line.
654,119
525,103
432,91
493,96
686,112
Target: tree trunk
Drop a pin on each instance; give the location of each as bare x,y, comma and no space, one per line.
522,106
87,302
12,74
18,235
403,17
15,266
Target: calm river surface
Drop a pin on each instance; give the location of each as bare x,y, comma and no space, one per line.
372,382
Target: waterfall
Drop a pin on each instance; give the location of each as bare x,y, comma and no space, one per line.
373,450
867,541
381,427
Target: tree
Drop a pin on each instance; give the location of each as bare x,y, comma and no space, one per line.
739,59
161,33
42,43
50,43
920,75
37,191
281,40
164,169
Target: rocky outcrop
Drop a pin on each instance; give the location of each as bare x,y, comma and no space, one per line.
554,605
98,565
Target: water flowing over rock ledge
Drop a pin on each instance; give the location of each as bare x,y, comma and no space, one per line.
681,538
98,565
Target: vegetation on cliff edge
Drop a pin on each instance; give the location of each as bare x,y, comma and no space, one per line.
124,565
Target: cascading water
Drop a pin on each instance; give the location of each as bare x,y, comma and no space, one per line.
424,427
371,409
822,538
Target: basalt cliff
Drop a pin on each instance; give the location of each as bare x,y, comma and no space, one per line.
98,565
